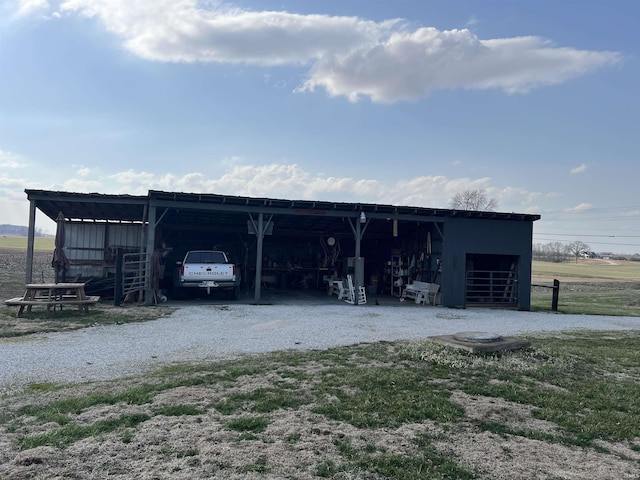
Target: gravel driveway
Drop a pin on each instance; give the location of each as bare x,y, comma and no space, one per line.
210,332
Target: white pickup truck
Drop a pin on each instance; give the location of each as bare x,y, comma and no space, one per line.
208,269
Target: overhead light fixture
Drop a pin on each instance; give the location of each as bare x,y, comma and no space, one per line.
363,218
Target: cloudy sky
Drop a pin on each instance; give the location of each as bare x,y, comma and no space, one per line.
382,101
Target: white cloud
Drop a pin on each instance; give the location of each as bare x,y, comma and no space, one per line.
473,20
81,185
182,31
83,171
31,7
410,65
7,183
580,207
631,213
347,56
511,195
579,169
9,160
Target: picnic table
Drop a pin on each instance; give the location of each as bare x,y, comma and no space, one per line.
53,295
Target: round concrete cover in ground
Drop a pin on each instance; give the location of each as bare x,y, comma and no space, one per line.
477,337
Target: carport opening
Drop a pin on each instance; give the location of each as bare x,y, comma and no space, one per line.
292,259
301,254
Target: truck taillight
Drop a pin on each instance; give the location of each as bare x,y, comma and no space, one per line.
234,268
182,270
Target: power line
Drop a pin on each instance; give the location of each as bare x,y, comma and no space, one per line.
587,235
597,243
609,221
594,209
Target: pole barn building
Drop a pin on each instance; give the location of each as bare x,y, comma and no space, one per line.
475,258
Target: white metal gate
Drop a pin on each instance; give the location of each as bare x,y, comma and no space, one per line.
134,273
492,287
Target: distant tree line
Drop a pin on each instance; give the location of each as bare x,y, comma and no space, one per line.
560,252
20,231
564,252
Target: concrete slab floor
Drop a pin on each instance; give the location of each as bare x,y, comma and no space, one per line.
290,297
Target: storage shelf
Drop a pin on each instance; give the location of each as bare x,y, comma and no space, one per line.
399,274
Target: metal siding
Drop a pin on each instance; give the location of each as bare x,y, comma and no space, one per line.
84,242
90,246
126,236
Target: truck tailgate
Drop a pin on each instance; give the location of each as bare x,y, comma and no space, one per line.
208,272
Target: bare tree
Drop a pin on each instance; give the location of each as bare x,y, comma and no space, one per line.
550,252
473,200
577,248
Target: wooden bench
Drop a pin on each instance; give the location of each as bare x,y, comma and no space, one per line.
421,292
414,290
83,304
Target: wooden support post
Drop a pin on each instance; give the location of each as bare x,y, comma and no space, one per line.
31,240
259,246
556,292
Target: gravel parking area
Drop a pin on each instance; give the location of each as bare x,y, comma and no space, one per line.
216,331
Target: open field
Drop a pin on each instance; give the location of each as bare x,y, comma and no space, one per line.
588,270
593,287
39,243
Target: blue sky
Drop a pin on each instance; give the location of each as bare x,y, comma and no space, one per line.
402,102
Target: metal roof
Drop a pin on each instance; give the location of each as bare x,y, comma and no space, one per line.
233,212
89,206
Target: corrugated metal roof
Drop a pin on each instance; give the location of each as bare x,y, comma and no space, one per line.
90,206
228,211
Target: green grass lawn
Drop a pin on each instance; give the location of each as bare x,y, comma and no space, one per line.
625,302
39,243
589,288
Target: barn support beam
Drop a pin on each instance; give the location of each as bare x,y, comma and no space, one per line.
260,236
30,241
149,293
361,224
259,228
